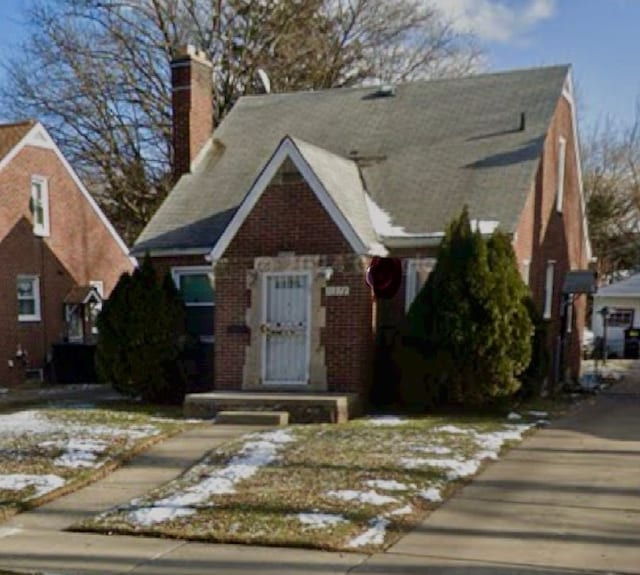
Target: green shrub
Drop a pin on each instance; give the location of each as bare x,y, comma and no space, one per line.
533,379
141,337
468,331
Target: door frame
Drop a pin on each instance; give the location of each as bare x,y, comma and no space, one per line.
263,318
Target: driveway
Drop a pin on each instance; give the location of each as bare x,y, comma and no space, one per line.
567,500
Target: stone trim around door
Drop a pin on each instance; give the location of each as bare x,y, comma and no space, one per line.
252,371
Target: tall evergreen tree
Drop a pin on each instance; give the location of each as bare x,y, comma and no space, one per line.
468,329
141,334
510,348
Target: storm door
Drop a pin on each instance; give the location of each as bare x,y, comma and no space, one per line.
285,328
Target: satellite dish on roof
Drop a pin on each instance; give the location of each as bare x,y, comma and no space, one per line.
263,81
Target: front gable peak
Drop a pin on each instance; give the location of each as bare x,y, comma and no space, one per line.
334,180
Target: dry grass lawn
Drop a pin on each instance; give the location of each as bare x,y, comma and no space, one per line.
356,486
51,451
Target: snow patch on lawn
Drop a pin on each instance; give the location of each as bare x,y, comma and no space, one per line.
513,416
369,497
77,452
402,510
387,420
491,443
434,449
320,520
452,429
32,422
431,494
386,485
26,423
539,414
42,483
455,468
261,450
158,514
372,536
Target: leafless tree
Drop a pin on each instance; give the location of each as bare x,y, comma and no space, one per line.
611,166
97,72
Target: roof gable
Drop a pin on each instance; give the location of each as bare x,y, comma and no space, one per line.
35,134
334,181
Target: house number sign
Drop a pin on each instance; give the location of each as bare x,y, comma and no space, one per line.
336,291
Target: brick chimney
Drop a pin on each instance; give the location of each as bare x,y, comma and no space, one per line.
191,98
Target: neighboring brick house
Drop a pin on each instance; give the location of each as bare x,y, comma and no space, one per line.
287,202
54,241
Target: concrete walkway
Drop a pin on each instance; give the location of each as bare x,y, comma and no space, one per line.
566,501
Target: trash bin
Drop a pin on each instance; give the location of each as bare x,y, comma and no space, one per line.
74,363
632,343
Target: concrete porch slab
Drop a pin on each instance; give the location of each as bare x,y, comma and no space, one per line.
302,407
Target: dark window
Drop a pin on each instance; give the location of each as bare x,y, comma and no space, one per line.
198,295
620,318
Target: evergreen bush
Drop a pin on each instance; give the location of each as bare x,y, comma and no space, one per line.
141,337
468,331
534,377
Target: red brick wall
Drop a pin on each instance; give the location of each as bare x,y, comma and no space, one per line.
289,218
232,301
79,249
544,234
191,79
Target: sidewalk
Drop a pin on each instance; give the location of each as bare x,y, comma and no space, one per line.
566,501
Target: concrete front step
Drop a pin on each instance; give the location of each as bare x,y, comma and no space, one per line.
301,407
252,417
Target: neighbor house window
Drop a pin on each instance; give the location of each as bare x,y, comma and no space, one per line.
620,317
40,206
418,271
548,289
194,284
562,156
28,298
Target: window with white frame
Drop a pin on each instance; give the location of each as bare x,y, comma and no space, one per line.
418,271
40,206
548,288
28,289
195,287
562,157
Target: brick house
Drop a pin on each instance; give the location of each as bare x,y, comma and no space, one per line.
55,244
284,205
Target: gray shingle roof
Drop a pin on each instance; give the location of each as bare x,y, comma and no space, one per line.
423,153
341,179
629,287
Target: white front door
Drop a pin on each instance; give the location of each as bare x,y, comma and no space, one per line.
285,328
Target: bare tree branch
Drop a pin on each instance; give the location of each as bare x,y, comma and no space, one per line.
97,72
